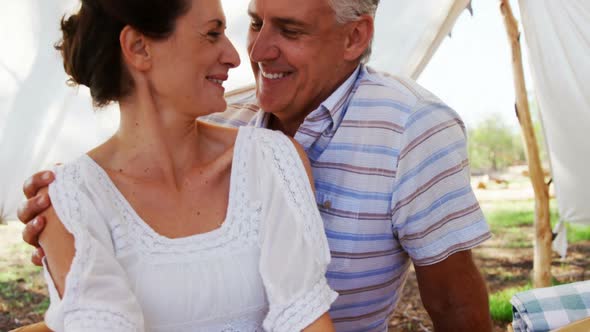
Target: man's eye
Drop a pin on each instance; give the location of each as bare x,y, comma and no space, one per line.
290,33
214,34
255,25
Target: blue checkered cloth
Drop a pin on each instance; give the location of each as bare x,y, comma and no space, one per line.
545,309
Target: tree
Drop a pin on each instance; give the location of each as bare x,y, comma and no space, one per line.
494,145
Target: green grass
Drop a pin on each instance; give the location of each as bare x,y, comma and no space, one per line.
500,307
513,221
506,214
20,282
578,233
509,216
514,237
42,307
16,264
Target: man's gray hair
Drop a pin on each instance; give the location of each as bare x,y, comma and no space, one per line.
350,10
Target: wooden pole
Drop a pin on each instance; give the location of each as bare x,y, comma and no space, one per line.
543,234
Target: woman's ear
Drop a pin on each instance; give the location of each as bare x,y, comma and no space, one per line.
359,37
135,48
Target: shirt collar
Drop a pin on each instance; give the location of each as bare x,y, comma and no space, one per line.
324,120
260,120
334,103
327,116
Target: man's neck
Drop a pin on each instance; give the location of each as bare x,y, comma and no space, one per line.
287,127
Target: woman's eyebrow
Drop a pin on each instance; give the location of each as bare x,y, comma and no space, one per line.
218,22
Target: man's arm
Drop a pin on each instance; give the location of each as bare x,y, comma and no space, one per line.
322,324
30,211
454,294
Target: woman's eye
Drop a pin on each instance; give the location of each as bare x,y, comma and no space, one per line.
213,36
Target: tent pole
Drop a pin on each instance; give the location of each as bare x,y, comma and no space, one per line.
543,234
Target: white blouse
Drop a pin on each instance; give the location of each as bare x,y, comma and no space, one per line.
263,269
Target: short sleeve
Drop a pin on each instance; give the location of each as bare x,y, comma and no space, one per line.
294,248
435,212
97,295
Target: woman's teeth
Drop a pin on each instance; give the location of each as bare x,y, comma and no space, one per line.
220,82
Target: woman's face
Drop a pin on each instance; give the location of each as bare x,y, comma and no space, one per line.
190,66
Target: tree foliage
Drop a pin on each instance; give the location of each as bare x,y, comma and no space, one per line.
495,145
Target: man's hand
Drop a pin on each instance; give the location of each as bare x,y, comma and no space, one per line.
35,189
454,294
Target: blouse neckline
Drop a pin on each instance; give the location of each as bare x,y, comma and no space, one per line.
106,181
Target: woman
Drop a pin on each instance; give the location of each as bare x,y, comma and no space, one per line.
172,224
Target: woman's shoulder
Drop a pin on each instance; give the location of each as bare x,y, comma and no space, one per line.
280,145
77,186
220,134
271,139
71,173
281,159
68,194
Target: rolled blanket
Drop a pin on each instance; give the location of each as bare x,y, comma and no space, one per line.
545,309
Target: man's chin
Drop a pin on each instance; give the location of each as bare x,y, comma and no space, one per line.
270,105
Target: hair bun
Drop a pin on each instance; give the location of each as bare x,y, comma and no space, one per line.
69,46
91,53
90,45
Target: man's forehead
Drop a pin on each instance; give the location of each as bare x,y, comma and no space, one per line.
298,9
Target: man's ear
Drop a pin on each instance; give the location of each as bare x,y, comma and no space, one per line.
135,48
359,37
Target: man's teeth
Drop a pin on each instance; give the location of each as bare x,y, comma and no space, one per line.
273,76
220,82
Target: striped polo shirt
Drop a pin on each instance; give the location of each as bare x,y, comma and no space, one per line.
391,173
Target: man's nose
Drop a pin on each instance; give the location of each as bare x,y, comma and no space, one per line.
263,45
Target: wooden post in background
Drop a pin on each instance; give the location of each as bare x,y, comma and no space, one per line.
543,234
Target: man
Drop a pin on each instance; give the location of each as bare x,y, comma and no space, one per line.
388,158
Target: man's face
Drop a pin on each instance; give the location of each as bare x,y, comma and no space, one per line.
296,50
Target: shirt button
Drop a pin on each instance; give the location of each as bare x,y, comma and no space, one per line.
327,204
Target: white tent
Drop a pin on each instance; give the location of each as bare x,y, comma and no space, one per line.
558,37
43,121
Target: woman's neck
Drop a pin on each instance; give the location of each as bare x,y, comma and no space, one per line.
155,142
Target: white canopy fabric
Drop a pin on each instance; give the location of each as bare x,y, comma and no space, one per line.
408,33
34,99
558,38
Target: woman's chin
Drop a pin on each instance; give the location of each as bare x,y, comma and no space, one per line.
216,107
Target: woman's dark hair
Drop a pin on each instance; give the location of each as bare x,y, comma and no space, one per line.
90,43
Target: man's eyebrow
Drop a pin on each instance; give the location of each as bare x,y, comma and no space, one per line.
280,20
289,21
253,14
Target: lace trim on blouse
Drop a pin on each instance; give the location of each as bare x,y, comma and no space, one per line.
96,320
289,166
239,229
304,311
